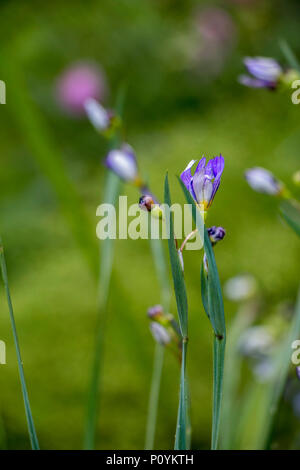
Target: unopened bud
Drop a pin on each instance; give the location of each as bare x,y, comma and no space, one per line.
216,234
160,334
155,312
263,181
146,203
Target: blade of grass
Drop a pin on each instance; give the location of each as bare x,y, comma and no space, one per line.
106,262
291,214
178,279
162,276
289,54
30,423
214,300
154,396
182,308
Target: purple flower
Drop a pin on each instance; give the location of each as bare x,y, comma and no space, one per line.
160,334
298,372
97,114
155,312
78,83
263,181
216,234
146,202
205,182
122,161
264,72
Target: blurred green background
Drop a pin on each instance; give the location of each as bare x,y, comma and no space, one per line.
183,100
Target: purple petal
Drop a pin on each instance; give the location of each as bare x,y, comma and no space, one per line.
255,82
200,165
186,175
263,68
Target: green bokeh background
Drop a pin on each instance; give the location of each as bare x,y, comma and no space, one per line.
174,112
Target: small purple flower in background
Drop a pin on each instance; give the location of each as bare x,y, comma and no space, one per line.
97,114
123,162
263,181
298,372
160,334
216,234
264,72
77,84
205,182
155,312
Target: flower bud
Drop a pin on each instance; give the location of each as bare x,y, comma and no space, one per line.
155,312
97,114
216,234
160,334
123,162
146,203
265,72
263,181
240,288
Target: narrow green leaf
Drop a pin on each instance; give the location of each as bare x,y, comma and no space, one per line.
204,290
178,279
154,396
30,422
213,304
181,438
216,309
289,55
291,213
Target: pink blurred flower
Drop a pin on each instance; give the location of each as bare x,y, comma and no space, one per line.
77,83
217,34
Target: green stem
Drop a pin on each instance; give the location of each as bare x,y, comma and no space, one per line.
162,276
181,429
30,423
106,261
154,396
218,369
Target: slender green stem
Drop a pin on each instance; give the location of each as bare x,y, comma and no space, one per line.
154,396
181,434
30,423
106,261
162,276
218,368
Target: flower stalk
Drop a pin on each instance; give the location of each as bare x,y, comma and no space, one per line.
30,423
